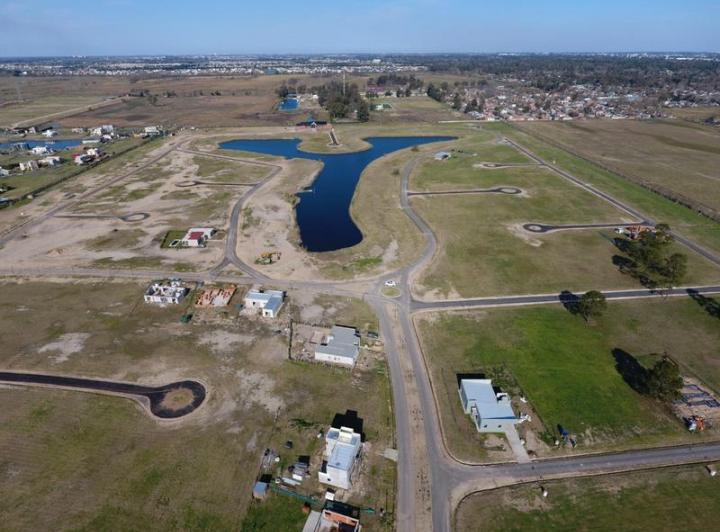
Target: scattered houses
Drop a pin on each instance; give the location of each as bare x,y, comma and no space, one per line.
268,302
489,409
341,347
166,292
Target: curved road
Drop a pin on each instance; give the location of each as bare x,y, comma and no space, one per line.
153,395
430,481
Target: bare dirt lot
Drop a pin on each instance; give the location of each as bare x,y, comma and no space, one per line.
72,459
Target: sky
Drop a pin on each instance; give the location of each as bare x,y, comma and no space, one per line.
132,27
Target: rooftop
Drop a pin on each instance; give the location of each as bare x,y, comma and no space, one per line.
483,395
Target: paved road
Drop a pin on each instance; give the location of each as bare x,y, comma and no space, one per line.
688,243
430,480
497,190
155,395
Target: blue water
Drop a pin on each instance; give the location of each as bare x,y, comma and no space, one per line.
323,213
289,104
56,145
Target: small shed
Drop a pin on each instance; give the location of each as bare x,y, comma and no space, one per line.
442,155
260,490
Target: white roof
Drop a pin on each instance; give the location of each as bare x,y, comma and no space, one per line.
481,393
342,342
345,449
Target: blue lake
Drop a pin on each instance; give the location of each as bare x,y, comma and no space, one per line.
56,145
323,213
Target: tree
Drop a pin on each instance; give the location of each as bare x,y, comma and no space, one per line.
592,304
363,111
457,102
663,380
674,270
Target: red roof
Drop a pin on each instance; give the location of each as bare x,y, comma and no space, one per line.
196,235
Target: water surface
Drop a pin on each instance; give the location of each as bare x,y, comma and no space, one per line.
323,213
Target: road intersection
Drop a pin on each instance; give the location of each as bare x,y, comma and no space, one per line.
431,482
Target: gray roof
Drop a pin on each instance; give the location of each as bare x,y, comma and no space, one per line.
342,342
481,393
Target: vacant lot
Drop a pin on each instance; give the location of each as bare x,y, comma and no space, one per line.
568,370
412,109
90,462
676,155
483,249
44,108
685,220
651,500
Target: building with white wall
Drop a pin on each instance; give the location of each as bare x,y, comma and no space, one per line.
341,457
268,302
489,409
341,347
169,292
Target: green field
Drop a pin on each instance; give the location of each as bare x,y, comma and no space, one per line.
678,498
567,369
679,156
90,462
39,108
689,223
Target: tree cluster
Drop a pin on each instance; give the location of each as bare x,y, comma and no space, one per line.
649,258
342,102
409,82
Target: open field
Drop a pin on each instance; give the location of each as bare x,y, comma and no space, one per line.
700,228
408,110
483,249
567,369
677,498
675,155
44,108
696,114
100,238
93,462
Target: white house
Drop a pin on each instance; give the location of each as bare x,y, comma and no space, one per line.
49,133
51,160
442,155
4,172
40,150
166,292
267,301
197,237
28,166
152,131
82,158
342,450
341,347
490,410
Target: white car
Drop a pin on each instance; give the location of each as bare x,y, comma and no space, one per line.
390,283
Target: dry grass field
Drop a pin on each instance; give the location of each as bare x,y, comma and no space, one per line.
677,155
90,462
650,500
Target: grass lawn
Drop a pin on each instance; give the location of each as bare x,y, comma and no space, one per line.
42,107
90,462
677,498
567,369
674,154
485,251
277,512
689,223
171,235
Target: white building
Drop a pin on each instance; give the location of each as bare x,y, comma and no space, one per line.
4,172
52,160
268,302
341,347
197,237
490,410
342,450
40,150
28,166
49,133
166,292
152,131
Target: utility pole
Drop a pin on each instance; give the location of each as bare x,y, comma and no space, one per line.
343,83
